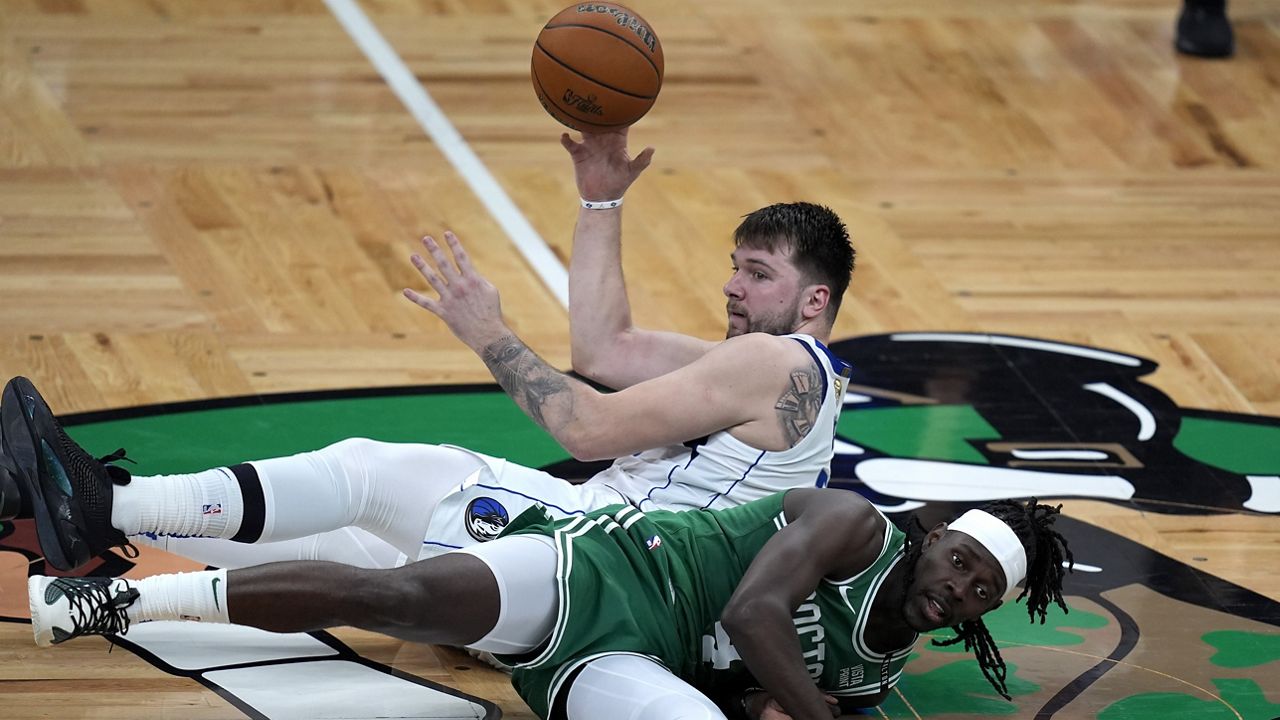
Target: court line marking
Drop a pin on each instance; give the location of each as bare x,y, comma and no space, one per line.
1210,694
433,121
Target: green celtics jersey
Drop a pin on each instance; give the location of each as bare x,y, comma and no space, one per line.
831,624
654,584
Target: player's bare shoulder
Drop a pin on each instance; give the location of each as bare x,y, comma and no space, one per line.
790,383
845,518
801,400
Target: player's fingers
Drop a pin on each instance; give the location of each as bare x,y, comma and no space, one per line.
460,255
429,274
447,269
568,143
642,161
422,300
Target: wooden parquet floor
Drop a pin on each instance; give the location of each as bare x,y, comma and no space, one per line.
205,200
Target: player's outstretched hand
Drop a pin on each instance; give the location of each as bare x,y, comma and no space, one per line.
601,165
468,303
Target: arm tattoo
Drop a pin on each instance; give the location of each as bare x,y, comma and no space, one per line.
530,381
798,406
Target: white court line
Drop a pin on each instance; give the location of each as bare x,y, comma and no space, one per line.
455,149
1010,341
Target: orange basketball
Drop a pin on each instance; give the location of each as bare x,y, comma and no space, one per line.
597,66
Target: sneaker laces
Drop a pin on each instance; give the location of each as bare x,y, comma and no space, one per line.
118,475
95,608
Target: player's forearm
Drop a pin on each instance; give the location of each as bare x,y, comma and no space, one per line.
599,310
766,640
559,404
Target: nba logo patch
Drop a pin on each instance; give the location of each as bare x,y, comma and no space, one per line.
485,518
653,543
213,509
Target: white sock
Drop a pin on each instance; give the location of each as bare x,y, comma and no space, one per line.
198,596
206,504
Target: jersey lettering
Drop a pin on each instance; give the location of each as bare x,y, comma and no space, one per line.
807,619
718,650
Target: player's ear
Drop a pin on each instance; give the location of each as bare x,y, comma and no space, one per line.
816,300
935,534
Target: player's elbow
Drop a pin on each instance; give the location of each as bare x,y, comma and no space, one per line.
586,361
583,442
745,614
580,450
604,356
594,361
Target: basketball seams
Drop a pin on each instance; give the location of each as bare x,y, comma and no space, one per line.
644,51
579,73
543,91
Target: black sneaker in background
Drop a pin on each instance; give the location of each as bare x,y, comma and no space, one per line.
1204,30
68,490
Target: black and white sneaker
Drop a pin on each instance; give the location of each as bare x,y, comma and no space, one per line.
67,489
65,608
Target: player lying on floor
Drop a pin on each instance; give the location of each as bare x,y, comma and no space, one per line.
623,613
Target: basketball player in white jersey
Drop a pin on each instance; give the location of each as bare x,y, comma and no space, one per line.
697,424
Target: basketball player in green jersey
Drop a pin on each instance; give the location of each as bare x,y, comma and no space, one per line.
623,613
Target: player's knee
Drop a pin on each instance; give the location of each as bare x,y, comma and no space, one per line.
398,458
353,449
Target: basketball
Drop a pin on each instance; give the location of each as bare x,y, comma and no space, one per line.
597,66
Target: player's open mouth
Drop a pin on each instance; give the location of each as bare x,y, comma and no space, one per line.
934,610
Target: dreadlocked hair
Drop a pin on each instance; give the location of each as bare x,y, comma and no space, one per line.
1047,554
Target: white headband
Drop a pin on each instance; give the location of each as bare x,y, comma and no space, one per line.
1000,540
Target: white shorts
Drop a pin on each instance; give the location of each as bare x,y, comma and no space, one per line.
496,493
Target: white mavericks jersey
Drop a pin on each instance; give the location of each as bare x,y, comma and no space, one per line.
714,472
722,471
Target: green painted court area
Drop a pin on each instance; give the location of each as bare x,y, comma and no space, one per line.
487,422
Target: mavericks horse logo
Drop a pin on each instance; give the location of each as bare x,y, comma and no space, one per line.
486,518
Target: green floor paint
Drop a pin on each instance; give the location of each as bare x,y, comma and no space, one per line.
1009,624
926,432
1245,448
1238,696
955,688
1238,649
488,422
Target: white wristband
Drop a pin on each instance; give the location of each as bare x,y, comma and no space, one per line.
601,204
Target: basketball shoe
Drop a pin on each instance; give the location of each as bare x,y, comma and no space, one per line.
10,491
65,608
1204,29
69,492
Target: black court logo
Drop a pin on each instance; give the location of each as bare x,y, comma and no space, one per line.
486,518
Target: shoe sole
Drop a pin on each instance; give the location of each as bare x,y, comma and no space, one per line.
35,595
1202,53
17,440
9,506
10,488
